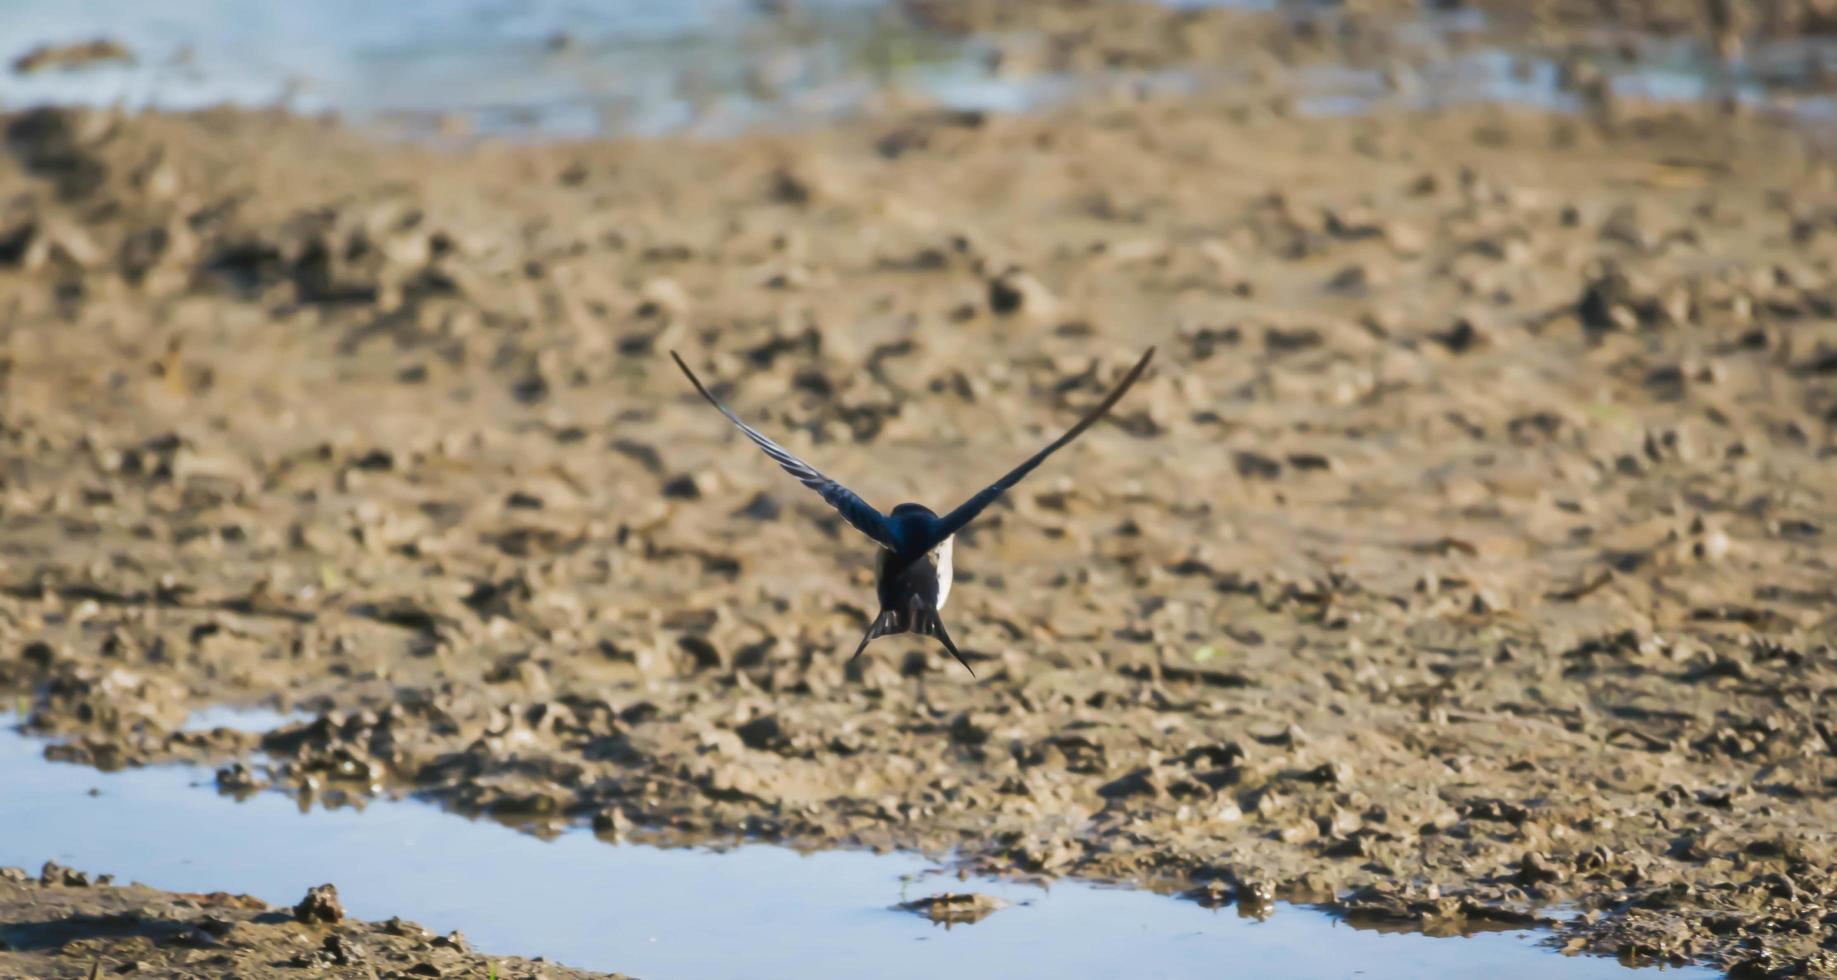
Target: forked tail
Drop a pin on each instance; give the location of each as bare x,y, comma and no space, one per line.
931,624
886,622
925,622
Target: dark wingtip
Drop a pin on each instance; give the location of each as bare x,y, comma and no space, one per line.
700,388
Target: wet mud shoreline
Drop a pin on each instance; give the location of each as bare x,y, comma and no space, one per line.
1465,555
63,922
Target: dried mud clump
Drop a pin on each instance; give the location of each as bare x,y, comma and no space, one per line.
954,908
71,56
320,906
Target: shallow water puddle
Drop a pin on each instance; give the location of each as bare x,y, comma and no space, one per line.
541,68
753,911
548,69
256,720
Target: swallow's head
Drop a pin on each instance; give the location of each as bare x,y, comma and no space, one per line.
912,510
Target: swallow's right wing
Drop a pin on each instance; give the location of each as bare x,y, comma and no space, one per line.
954,521
860,514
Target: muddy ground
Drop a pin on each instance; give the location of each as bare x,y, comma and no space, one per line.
1466,553
63,922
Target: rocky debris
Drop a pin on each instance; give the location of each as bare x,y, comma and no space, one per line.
955,908
82,54
320,906
238,779
1015,291
68,925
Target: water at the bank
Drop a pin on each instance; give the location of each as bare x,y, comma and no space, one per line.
753,911
550,69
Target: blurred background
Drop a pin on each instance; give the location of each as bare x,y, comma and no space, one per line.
558,69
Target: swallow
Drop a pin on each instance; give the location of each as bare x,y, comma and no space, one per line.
912,570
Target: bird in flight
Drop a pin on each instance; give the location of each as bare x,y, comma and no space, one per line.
912,571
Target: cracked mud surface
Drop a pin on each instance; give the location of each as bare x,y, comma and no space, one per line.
1466,552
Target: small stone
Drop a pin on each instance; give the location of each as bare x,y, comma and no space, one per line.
683,487
341,951
1534,869
763,507
39,654
54,873
763,734
1014,291
611,821
662,298
238,778
398,926
1406,239
1256,895
953,908
1329,774
320,906
1213,894
1464,336
1299,833
1253,465
1712,546
1353,280
790,186
1604,304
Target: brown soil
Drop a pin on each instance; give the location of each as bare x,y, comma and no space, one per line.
1467,551
65,924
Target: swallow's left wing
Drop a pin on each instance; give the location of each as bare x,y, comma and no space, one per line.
955,521
860,514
